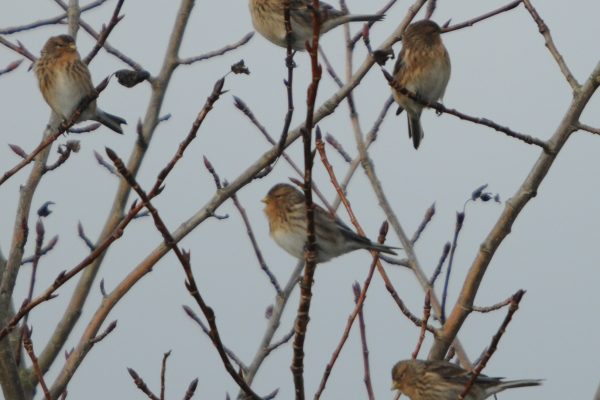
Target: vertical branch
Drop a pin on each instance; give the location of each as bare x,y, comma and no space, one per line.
363,341
426,315
73,13
310,253
289,62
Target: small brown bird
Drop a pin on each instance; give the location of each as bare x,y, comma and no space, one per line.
268,20
423,67
65,81
441,380
286,212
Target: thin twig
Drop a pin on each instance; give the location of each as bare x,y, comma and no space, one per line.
492,308
28,345
514,306
139,382
545,31
106,30
259,256
439,107
49,21
47,141
426,220
357,308
194,317
310,253
485,16
460,219
588,128
117,232
426,315
363,341
163,371
184,259
219,52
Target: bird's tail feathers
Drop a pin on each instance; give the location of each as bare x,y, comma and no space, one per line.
515,384
384,249
364,18
331,23
112,122
415,131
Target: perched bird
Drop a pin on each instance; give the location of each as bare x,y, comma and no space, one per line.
286,212
441,380
268,20
65,80
423,67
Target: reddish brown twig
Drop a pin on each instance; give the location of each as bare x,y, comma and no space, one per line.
302,316
106,30
382,11
11,67
18,48
363,341
109,49
61,129
514,306
184,259
64,277
426,315
28,345
357,308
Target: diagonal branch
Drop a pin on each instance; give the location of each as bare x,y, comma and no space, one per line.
545,31
513,208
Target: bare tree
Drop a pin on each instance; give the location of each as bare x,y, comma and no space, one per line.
25,360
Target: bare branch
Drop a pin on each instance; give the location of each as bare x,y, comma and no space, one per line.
545,31
513,208
216,53
485,16
514,306
259,256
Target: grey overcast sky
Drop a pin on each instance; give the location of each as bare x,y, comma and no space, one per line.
501,70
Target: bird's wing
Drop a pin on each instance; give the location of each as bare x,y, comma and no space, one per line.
305,6
454,373
399,62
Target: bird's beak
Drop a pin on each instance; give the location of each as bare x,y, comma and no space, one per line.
394,386
72,46
264,200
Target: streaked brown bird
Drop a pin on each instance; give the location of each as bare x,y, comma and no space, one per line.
441,380
423,67
65,81
268,20
286,211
